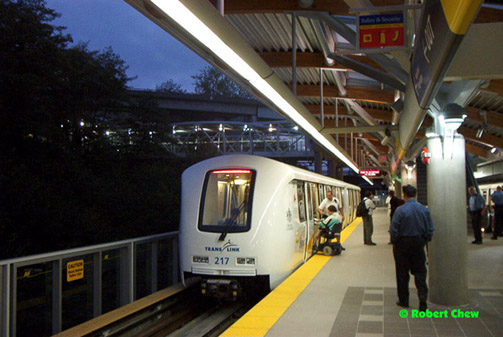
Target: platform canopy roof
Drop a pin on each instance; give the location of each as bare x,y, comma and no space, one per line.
350,99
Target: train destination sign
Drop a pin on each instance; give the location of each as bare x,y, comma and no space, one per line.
370,173
382,30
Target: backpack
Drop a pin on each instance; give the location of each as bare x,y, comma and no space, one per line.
362,210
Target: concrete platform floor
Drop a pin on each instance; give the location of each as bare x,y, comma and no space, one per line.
355,294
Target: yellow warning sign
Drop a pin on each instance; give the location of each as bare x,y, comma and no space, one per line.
74,270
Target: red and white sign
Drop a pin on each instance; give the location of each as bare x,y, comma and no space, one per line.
383,30
370,173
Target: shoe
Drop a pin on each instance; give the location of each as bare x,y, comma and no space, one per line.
371,243
477,242
402,305
423,306
342,248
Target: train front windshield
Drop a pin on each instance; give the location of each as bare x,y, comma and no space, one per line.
226,201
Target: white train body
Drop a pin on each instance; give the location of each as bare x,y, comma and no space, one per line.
266,210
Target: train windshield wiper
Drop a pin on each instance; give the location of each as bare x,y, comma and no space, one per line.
231,222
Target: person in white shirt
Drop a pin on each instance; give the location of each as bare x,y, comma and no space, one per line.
330,200
368,225
388,199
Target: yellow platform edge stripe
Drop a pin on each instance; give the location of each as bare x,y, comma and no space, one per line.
260,319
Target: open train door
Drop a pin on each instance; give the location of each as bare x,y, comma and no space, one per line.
311,201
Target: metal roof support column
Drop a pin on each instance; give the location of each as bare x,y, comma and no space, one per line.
221,6
346,135
321,99
448,275
294,54
352,153
336,119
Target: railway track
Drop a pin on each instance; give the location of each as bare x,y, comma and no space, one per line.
173,312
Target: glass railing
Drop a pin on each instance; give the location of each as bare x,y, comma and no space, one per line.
44,294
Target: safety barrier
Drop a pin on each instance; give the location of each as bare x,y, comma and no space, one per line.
44,294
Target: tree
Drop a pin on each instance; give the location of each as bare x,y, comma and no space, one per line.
29,54
170,86
47,90
90,85
212,82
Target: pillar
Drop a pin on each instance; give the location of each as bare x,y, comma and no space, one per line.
446,174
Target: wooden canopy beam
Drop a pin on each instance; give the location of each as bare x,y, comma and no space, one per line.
369,95
329,110
309,60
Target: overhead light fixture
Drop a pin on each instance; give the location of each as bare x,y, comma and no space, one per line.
494,150
480,132
201,32
453,116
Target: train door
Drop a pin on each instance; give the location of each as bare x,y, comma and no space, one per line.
311,211
301,233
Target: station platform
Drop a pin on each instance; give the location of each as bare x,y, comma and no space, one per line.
354,294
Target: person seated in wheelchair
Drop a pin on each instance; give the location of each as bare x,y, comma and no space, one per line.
330,226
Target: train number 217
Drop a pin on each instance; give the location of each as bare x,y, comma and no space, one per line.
221,260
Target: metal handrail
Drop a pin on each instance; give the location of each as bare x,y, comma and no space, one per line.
127,248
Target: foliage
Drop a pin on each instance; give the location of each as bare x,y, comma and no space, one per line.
63,182
51,201
170,86
213,83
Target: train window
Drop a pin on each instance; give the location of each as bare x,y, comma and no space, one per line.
226,201
321,193
300,198
314,201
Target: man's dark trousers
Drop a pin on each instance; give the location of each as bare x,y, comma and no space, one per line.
498,221
409,256
477,225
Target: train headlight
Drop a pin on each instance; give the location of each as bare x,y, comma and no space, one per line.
250,260
200,259
241,260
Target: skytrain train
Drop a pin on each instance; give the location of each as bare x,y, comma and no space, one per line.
248,221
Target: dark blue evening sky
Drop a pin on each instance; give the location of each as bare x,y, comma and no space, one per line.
152,55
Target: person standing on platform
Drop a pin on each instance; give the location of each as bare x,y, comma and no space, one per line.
388,198
477,206
394,202
368,224
497,198
411,228
330,200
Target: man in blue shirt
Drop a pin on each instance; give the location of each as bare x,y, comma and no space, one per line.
411,228
497,198
477,207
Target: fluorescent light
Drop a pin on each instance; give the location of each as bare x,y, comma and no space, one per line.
191,23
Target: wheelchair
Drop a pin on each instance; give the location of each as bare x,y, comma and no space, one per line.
332,243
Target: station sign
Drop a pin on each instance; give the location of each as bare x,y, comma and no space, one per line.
370,173
382,30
